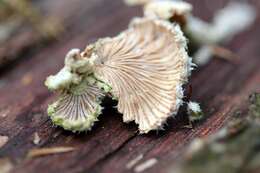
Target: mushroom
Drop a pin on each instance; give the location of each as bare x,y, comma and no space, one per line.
78,107
194,111
203,36
227,23
175,11
144,68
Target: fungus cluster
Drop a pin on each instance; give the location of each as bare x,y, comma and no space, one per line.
144,68
204,36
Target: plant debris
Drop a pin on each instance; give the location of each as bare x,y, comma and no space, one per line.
194,111
136,2
4,112
133,162
36,138
145,165
6,165
48,151
234,149
3,140
27,79
203,36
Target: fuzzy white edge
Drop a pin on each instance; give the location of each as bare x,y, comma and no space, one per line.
182,41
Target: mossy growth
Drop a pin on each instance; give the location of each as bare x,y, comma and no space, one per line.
255,105
234,149
78,108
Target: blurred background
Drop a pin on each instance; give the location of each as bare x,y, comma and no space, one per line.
35,35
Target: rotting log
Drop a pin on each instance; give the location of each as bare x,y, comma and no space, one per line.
221,87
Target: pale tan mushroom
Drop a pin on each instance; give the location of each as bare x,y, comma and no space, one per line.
227,22
146,67
174,11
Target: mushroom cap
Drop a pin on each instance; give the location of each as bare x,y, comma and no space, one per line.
176,11
77,108
146,66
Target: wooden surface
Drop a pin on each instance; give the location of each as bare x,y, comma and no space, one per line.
221,87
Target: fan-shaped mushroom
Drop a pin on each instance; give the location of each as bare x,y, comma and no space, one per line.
78,108
144,68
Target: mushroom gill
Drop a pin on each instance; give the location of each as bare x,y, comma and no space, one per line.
77,108
146,67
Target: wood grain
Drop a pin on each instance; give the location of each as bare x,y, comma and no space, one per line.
221,87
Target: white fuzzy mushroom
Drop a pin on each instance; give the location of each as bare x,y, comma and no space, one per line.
145,66
194,111
228,22
176,11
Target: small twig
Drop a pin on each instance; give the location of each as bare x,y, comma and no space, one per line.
48,151
133,162
223,53
3,140
145,165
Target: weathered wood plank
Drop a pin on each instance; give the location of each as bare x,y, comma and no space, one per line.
22,122
221,87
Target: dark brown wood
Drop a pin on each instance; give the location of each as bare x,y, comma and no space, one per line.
221,87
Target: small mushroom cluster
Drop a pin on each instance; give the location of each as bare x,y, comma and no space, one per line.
144,68
203,36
